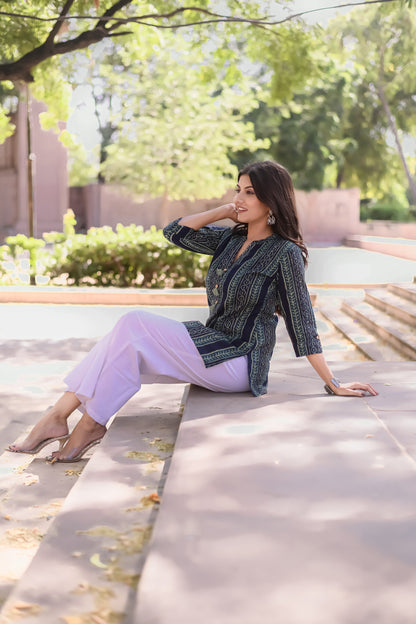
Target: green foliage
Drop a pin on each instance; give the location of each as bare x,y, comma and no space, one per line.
379,42
386,211
8,101
292,56
333,131
69,223
19,245
125,258
128,257
174,132
34,43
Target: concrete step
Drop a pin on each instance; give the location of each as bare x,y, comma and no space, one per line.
407,291
94,295
399,247
370,345
292,507
87,566
393,304
30,500
396,333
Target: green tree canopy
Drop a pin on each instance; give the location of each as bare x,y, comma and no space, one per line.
177,127
380,44
335,130
37,34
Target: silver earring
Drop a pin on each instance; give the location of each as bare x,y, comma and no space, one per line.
271,219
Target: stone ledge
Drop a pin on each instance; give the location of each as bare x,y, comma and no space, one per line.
294,507
101,296
400,247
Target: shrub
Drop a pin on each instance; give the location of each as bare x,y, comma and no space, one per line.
19,245
385,211
128,257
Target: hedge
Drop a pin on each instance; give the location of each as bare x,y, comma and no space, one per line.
128,257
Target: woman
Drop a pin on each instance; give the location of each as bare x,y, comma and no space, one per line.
257,267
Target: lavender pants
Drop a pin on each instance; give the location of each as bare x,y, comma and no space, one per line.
145,348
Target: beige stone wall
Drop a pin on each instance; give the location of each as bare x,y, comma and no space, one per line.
325,216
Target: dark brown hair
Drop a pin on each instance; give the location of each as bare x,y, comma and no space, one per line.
274,187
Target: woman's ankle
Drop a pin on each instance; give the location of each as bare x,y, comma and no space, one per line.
64,407
90,425
56,417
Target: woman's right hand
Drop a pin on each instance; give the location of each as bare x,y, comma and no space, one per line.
230,211
197,221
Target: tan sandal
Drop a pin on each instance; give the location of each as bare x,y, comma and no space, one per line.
61,439
77,457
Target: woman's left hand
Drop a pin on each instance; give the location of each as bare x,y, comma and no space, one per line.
356,388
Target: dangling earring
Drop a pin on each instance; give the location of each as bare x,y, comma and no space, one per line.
271,219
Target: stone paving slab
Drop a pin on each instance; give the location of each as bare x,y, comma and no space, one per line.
296,507
87,567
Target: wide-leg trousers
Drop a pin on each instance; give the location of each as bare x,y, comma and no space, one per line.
146,348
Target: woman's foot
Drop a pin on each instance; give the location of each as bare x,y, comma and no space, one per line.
86,433
52,426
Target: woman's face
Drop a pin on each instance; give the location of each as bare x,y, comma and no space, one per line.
250,209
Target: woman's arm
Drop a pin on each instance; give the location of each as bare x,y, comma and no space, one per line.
201,219
356,388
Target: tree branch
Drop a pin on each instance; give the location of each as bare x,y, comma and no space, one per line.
20,70
108,15
331,8
58,24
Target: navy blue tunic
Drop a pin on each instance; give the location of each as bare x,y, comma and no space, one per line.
243,295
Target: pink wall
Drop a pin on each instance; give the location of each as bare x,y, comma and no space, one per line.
329,215
50,184
325,216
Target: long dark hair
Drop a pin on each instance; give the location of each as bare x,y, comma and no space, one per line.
274,187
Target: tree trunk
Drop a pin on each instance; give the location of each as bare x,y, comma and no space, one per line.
393,128
340,177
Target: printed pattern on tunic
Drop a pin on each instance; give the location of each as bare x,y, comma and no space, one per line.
243,295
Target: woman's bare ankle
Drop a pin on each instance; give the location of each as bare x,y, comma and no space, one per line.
88,424
64,406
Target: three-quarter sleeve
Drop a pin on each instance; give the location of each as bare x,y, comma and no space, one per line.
204,241
295,304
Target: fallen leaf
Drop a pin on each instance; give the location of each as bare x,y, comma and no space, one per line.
95,560
22,537
71,472
73,619
23,609
154,497
30,479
